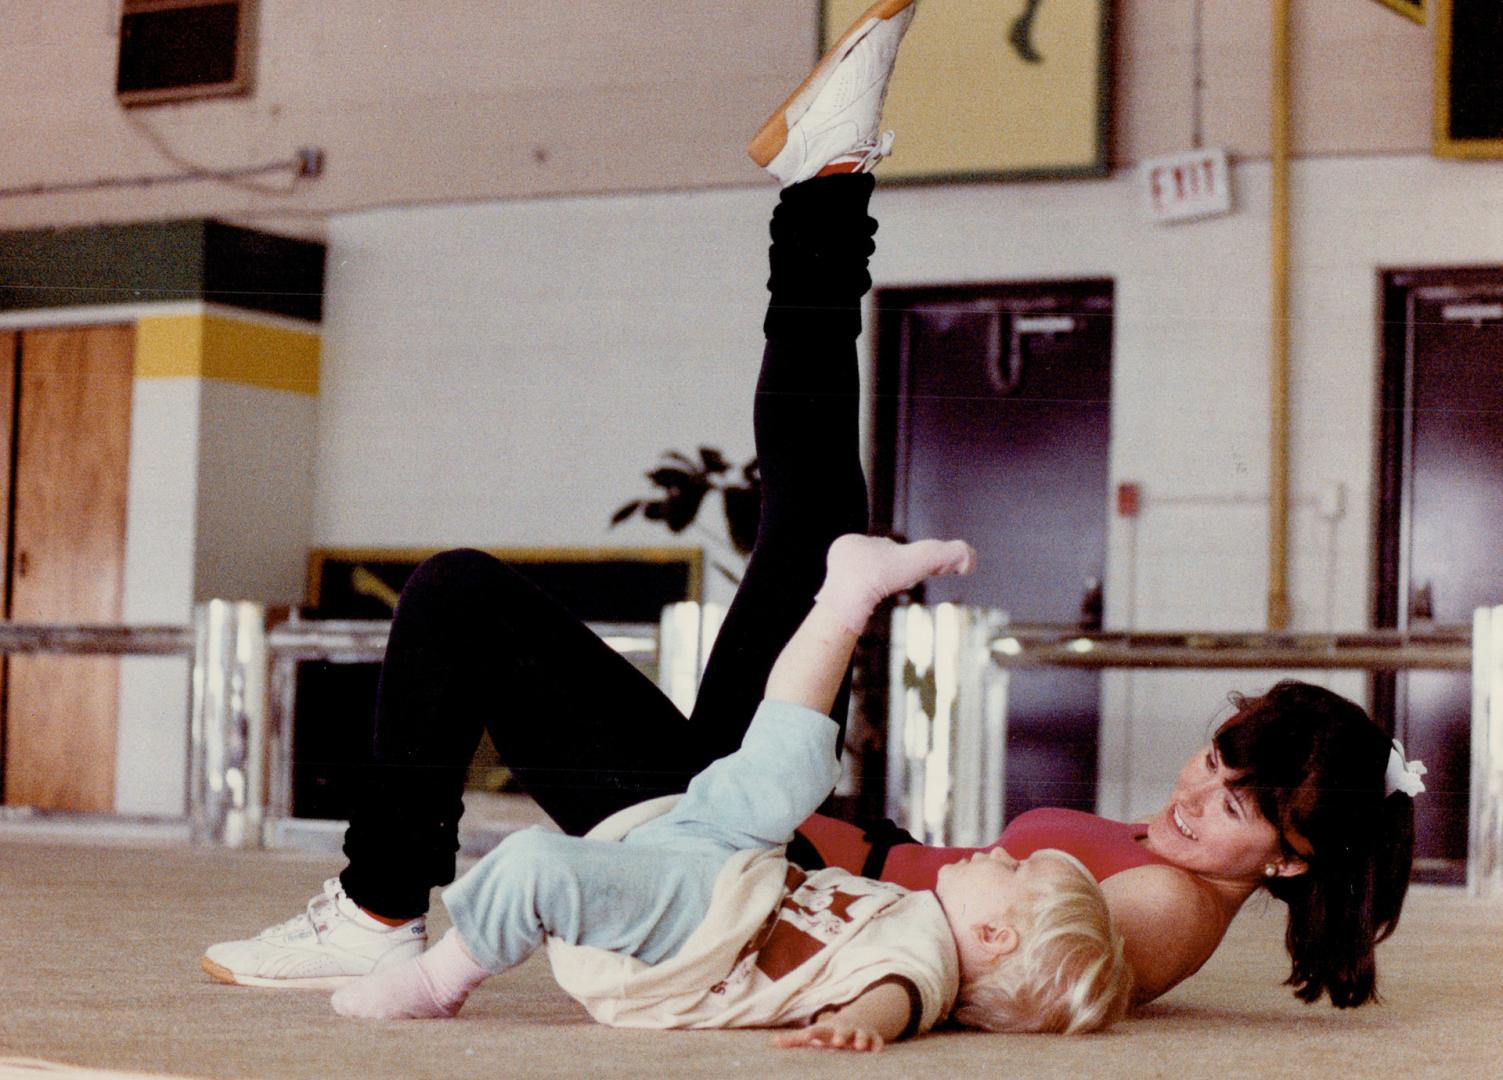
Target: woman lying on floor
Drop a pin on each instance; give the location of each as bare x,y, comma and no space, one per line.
1300,793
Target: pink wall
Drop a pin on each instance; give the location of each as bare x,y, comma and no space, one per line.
424,103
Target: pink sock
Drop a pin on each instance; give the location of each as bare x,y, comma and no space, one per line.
862,571
432,986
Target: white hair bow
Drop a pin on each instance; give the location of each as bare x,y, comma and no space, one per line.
1402,775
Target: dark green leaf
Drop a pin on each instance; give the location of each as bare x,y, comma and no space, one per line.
625,512
681,507
924,684
714,461
742,510
675,478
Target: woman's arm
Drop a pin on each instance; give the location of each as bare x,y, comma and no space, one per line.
879,1016
1170,926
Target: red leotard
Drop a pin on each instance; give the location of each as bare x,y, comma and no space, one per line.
1105,847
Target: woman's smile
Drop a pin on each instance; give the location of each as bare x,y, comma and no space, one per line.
1180,822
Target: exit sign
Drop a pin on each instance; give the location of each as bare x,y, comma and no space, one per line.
1181,187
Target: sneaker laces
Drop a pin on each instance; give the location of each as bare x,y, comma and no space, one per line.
310,915
873,154
866,157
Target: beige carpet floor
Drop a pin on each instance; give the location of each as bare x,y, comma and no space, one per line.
99,947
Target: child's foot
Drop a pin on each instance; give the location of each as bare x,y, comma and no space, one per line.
433,986
830,123
862,571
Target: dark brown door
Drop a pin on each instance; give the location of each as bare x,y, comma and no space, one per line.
1442,516
993,425
71,413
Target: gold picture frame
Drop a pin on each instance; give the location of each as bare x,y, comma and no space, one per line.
1410,9
996,89
371,577
1446,143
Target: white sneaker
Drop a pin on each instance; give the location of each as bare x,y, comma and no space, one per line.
835,113
330,944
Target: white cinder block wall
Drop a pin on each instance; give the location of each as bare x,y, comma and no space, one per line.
503,373
220,506
151,762
255,492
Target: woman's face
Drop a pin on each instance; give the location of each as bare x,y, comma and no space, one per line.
1211,828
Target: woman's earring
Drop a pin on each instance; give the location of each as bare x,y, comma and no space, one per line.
1271,870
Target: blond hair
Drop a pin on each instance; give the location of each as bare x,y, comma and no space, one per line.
1067,974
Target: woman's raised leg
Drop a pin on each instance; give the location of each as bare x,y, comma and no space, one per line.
821,144
806,426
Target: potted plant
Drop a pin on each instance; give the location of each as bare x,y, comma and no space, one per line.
683,483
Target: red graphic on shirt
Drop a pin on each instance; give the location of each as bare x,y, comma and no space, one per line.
808,919
791,881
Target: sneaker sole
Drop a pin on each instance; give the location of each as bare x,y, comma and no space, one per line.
221,974
770,139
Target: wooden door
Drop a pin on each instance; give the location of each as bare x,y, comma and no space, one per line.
72,444
10,357
993,424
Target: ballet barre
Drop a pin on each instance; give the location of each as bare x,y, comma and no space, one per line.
947,718
1375,650
96,640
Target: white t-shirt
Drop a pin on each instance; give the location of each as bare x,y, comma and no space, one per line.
778,947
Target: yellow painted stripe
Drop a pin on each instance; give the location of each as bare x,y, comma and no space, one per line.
169,346
231,350
260,355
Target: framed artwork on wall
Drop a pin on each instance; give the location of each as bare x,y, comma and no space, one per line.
1414,9
996,89
604,585
1468,78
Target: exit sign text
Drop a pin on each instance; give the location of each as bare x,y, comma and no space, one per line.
1195,184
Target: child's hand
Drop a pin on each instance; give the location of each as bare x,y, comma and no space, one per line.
831,1034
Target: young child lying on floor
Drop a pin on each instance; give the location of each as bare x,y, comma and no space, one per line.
684,913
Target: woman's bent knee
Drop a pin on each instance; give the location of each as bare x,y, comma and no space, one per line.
462,579
458,565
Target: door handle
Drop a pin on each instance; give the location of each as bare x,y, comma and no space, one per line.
1090,605
1422,603
23,564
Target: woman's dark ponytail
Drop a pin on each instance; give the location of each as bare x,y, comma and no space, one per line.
1315,763
1344,905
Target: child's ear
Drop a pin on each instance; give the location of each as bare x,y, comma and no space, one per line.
996,938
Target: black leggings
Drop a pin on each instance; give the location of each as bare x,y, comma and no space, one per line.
476,648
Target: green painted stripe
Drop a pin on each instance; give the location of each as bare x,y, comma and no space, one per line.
163,261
